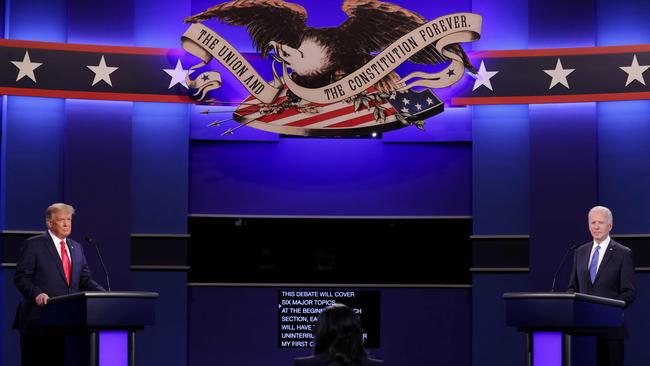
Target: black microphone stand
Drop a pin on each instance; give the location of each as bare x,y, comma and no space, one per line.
90,241
572,248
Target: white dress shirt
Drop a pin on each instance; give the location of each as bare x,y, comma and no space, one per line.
57,244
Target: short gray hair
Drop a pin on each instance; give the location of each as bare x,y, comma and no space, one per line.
56,207
605,210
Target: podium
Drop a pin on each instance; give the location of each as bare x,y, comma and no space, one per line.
109,318
549,320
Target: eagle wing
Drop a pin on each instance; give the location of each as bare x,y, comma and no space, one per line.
265,20
373,25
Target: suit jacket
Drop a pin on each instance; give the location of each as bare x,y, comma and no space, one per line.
614,279
40,270
323,360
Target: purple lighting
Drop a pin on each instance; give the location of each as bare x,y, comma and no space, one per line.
113,348
547,349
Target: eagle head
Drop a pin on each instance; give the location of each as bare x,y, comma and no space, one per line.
311,58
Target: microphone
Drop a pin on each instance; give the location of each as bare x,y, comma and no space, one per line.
90,241
572,248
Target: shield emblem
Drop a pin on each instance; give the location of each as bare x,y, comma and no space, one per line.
370,113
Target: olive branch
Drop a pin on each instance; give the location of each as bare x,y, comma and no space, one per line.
379,112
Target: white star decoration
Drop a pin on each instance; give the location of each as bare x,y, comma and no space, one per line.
178,74
26,67
102,72
635,72
483,77
558,75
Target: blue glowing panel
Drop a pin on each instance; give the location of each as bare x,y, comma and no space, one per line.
166,342
330,177
623,161
547,348
561,23
2,18
638,323
490,337
162,27
3,162
500,174
563,183
622,23
38,20
505,24
159,168
33,159
101,22
113,348
97,174
454,124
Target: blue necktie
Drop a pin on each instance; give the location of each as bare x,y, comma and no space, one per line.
593,267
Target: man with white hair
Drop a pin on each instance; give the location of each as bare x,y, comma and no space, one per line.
605,268
49,265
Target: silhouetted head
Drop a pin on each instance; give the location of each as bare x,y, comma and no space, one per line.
339,334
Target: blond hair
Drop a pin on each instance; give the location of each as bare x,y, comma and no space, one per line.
56,207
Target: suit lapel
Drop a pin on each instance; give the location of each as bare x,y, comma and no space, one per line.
74,258
611,248
585,258
54,255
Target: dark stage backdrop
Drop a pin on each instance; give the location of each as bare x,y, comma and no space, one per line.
334,250
237,264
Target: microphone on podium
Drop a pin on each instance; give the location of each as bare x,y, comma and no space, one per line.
90,241
572,248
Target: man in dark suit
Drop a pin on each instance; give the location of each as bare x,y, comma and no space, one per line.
605,268
49,265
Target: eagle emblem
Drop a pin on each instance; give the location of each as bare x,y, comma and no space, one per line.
335,68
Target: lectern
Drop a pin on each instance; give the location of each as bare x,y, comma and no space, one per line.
109,318
549,320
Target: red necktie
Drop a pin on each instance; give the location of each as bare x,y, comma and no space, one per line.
66,262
